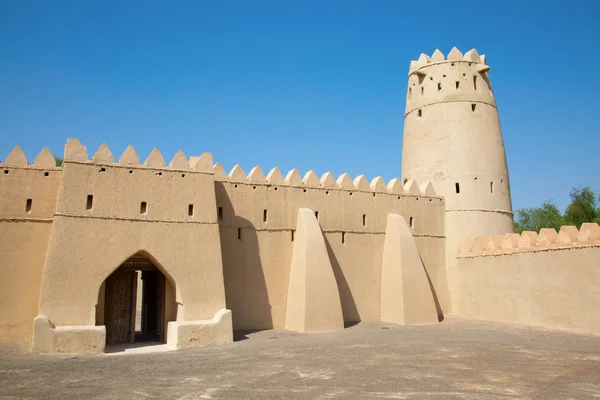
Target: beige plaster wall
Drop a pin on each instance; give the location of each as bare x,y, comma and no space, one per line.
24,239
547,280
87,245
256,267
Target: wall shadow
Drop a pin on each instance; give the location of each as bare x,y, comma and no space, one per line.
246,292
349,310
435,298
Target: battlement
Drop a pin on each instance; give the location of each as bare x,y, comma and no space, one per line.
76,152
327,181
16,158
470,57
529,241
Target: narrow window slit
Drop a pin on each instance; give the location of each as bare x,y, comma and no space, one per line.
411,222
420,113
220,213
475,82
439,86
317,215
239,233
422,89
491,187
264,215
364,219
143,207
457,84
28,205
90,202
457,186
343,237
473,105
293,235
191,210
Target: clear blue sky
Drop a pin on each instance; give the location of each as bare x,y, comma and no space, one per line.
308,84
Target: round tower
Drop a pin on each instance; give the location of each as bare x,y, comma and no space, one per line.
452,138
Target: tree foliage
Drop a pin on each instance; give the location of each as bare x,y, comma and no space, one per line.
58,161
583,208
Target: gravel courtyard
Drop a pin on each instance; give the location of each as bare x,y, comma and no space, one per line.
456,359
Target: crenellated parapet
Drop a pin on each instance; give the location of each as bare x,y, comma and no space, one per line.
456,78
528,241
455,56
77,153
29,190
16,158
327,181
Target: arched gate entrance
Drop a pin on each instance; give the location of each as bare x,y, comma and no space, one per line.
132,303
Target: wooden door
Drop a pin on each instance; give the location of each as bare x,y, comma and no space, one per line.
119,309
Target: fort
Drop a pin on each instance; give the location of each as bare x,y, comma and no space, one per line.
199,252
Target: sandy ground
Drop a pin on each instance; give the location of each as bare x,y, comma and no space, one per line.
456,359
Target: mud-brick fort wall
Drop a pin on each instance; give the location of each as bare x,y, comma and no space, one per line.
27,204
221,241
257,219
548,279
107,212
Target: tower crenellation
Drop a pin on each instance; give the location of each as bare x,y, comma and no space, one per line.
457,77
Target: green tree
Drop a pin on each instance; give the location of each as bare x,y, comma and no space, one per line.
58,161
583,207
536,218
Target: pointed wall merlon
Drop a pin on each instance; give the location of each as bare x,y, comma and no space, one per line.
237,174
219,172
129,157
395,186
378,185
411,187
494,243
204,163
427,189
313,301
180,161
511,241
75,151
567,234
406,296
256,175
328,181
472,55
527,240
455,55
547,237
480,244
103,155
275,177
311,179
344,182
437,56
45,159
155,159
589,233
361,183
16,158
293,178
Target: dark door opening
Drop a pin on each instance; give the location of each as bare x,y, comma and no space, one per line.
134,308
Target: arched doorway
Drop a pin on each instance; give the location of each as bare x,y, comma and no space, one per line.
136,302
